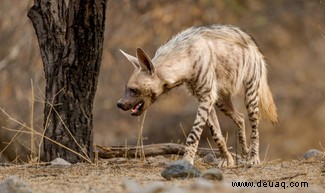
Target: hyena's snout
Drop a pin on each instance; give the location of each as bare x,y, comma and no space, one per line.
124,105
135,105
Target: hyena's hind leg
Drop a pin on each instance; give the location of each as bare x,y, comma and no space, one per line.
214,126
226,106
252,105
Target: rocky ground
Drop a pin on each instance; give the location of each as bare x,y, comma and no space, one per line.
133,175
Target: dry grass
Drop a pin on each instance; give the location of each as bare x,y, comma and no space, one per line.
140,139
110,176
32,132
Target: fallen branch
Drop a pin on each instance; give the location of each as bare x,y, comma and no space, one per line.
149,150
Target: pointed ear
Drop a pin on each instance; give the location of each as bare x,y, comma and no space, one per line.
145,61
132,59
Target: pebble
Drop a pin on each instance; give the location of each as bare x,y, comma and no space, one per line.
60,162
181,169
313,153
133,187
209,159
203,184
14,185
157,161
213,174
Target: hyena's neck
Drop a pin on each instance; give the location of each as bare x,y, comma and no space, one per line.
175,61
173,72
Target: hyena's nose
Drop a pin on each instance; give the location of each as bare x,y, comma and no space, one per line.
121,105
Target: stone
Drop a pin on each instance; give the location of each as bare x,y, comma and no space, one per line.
60,162
181,169
209,158
153,187
157,161
313,153
131,186
203,184
213,174
14,185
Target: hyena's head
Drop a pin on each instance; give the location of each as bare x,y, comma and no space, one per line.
143,87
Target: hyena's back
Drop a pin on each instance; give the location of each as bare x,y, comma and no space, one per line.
224,57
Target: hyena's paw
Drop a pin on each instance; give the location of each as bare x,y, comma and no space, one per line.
228,161
254,160
188,158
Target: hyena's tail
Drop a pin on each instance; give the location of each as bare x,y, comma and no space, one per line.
267,107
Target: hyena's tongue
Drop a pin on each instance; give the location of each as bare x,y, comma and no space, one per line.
136,108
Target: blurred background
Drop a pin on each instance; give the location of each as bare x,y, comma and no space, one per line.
290,33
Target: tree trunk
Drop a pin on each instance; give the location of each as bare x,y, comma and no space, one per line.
70,36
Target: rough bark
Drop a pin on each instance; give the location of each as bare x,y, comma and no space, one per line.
70,36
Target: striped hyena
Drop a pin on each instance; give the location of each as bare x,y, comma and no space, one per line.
215,63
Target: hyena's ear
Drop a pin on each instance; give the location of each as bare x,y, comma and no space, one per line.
145,61
132,59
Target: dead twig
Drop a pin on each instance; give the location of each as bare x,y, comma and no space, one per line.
286,177
149,150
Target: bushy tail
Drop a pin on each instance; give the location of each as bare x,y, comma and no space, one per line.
266,104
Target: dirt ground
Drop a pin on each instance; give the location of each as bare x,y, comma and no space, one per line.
132,175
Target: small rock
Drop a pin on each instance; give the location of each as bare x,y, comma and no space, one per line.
157,161
203,184
133,187
313,153
122,160
213,174
153,187
180,169
60,162
209,159
14,185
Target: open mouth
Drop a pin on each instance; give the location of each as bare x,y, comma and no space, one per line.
137,109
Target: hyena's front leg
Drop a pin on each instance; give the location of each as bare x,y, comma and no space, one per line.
193,138
214,126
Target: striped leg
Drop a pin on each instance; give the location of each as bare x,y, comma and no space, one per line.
226,106
214,126
193,138
251,101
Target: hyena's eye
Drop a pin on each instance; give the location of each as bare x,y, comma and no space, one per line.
134,91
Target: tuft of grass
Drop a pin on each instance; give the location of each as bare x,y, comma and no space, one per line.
126,148
183,131
214,154
140,139
14,138
35,156
42,135
266,152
